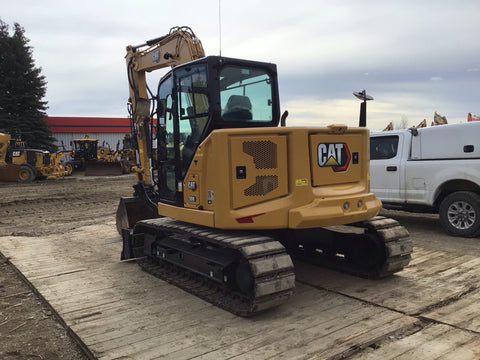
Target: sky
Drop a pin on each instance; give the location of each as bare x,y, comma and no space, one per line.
414,58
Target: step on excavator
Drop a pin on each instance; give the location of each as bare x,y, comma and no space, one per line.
225,197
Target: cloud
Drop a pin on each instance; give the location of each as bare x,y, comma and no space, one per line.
397,51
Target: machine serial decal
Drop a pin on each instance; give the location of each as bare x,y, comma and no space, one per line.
156,56
335,155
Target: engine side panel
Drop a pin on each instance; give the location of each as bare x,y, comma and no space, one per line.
258,166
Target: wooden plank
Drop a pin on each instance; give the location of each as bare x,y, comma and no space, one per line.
420,256
200,341
464,351
432,342
117,310
410,291
225,328
463,313
353,339
182,303
298,336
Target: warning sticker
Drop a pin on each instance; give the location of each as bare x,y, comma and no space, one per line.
301,182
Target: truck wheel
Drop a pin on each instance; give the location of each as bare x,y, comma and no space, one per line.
460,213
27,173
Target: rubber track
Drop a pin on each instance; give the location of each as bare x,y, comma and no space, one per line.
397,246
271,266
397,242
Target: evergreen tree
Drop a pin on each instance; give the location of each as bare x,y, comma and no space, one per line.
22,89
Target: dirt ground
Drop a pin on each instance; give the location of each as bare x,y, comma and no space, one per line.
29,329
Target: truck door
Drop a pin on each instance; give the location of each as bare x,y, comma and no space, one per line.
385,167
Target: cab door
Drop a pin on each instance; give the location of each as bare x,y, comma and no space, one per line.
183,99
166,142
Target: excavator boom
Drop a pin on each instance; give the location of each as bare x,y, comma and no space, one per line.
179,46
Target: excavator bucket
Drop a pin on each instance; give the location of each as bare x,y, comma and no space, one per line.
9,172
131,210
103,168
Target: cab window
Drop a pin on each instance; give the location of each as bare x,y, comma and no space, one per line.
193,110
245,94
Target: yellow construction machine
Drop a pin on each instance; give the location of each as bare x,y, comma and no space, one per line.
8,171
125,155
232,197
389,127
421,124
18,163
94,160
439,119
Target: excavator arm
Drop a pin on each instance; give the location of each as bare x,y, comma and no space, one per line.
179,46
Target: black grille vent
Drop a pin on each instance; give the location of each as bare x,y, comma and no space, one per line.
264,153
263,185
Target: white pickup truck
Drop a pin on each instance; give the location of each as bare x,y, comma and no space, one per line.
433,169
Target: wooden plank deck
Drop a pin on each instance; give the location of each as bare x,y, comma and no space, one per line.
463,313
432,277
436,341
118,311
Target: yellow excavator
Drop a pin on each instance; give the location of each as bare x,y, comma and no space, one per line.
231,197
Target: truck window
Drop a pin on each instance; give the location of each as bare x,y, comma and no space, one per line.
383,147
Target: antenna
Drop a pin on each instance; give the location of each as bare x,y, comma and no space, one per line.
220,25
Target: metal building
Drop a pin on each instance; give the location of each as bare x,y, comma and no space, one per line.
109,131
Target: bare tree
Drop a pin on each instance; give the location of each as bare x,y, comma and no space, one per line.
403,123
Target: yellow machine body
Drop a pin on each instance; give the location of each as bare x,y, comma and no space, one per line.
24,165
288,177
45,163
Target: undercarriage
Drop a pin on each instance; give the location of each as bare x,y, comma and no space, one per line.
248,272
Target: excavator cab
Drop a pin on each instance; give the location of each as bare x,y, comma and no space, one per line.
204,95
194,99
86,148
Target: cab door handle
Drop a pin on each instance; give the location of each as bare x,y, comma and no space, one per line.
391,168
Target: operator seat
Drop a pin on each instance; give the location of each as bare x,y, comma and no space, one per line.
238,108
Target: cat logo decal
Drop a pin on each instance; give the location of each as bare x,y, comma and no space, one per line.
335,155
